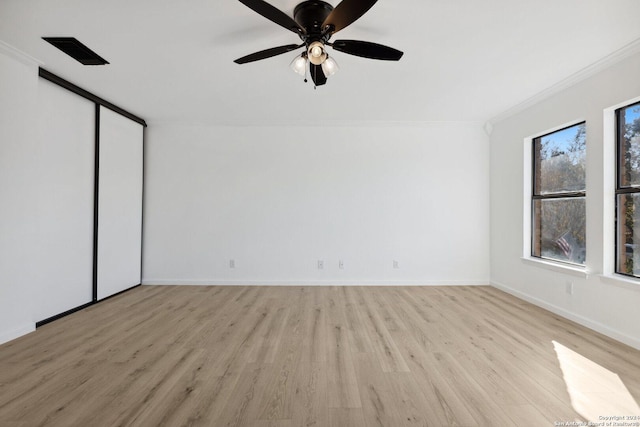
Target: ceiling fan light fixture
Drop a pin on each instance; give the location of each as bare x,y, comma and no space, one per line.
299,64
317,54
329,66
315,22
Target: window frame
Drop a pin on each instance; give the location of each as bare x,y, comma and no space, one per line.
535,239
619,188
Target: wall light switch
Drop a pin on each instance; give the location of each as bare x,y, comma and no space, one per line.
320,264
341,265
396,264
232,263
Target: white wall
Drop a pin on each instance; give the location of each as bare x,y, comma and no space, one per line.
609,305
278,199
18,206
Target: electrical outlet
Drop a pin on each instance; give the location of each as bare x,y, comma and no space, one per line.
341,265
232,263
569,287
396,264
320,264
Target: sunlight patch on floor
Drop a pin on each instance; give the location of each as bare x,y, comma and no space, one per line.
595,391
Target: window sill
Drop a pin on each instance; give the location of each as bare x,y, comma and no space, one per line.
621,281
557,267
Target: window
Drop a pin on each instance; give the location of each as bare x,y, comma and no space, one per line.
559,193
628,190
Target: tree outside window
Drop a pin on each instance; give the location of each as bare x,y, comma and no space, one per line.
559,193
628,191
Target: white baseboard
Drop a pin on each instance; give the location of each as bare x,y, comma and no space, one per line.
7,336
584,321
318,282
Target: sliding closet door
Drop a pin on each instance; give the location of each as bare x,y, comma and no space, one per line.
63,171
119,203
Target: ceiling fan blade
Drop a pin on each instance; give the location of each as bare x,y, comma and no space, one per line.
367,50
346,13
317,75
274,14
267,53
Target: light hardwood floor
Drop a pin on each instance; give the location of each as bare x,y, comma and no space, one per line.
314,356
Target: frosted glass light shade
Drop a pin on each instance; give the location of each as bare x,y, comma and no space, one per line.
329,66
299,65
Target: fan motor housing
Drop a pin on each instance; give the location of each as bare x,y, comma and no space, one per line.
311,14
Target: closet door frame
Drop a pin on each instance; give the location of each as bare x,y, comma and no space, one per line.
118,204
99,102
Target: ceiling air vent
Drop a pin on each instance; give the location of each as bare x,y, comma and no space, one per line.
72,47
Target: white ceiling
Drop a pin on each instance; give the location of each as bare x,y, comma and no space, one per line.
465,60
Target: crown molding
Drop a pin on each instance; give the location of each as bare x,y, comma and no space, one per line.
488,128
613,58
15,53
314,123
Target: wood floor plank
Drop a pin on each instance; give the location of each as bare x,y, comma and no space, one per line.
359,338
379,403
268,341
341,417
477,398
525,415
315,331
243,405
342,383
443,402
309,399
384,346
277,400
314,356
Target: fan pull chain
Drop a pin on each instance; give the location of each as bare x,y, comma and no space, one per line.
308,70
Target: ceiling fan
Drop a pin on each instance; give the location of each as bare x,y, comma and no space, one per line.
315,21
